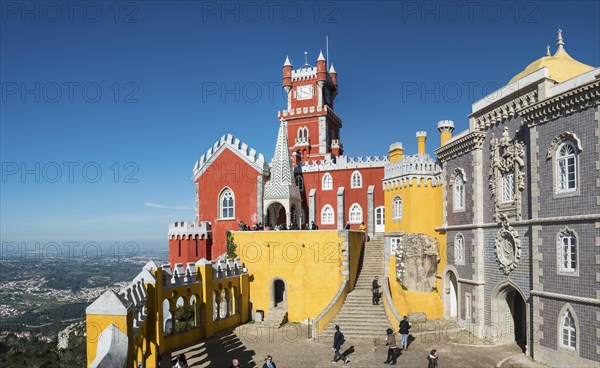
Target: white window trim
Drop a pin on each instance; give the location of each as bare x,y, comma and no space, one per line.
360,179
350,214
458,172
458,261
323,187
220,204
575,156
567,231
561,315
397,212
323,222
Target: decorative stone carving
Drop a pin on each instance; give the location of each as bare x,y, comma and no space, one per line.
562,137
508,246
507,158
416,261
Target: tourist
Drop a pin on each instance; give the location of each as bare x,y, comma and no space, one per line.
392,354
338,341
375,291
433,359
313,226
404,327
269,362
363,228
235,364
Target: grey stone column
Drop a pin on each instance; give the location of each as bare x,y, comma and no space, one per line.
259,199
340,208
311,206
370,211
477,183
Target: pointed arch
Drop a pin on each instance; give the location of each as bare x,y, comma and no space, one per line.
226,204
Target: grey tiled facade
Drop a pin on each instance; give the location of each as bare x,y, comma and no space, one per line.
527,301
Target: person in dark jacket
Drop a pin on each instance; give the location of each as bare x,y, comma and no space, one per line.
269,362
235,364
375,291
433,359
404,327
338,341
392,354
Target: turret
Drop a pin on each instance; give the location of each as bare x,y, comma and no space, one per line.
396,152
445,127
287,75
421,138
321,68
333,75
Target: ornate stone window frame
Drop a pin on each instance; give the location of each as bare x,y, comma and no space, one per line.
507,156
564,349
554,146
507,246
459,238
567,231
458,173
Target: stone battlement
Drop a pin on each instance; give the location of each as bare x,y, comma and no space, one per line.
342,163
190,228
304,73
242,149
419,166
303,111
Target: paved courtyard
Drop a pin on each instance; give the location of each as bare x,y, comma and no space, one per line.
290,347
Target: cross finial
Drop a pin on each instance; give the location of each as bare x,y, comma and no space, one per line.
560,42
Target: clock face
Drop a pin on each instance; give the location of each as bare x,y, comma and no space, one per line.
304,92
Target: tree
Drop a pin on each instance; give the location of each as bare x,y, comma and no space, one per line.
231,246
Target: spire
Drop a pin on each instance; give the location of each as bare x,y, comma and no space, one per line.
560,41
547,50
331,69
287,61
321,57
281,182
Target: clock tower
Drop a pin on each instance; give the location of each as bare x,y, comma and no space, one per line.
312,125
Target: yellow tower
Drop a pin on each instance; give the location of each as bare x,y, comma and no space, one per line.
413,199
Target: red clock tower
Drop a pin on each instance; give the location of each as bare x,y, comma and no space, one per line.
313,127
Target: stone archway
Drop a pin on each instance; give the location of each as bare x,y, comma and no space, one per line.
451,296
509,313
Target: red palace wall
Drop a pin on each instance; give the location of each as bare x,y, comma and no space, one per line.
188,249
227,170
341,178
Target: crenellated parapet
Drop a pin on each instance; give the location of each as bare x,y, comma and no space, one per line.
302,112
180,275
419,168
229,268
341,163
187,229
241,149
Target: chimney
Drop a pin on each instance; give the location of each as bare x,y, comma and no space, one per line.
396,152
445,127
421,138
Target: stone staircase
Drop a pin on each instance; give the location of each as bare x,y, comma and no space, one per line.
276,317
359,318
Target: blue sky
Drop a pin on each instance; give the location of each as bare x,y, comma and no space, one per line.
105,108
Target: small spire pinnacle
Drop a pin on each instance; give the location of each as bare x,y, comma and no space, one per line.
321,57
305,58
331,69
560,41
547,50
287,61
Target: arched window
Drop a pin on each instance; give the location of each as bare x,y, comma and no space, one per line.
397,209
300,182
566,168
226,204
356,181
327,215
569,331
508,187
356,215
459,249
567,251
302,135
459,192
327,182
